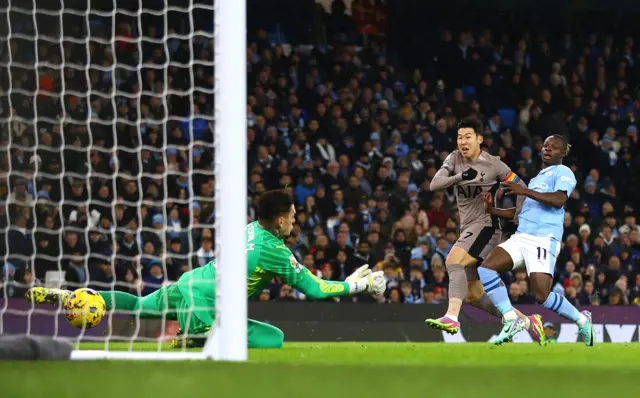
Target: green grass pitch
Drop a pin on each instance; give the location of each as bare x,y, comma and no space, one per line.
305,370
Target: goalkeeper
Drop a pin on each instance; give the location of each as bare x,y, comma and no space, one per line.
191,300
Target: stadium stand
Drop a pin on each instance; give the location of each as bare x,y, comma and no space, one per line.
354,136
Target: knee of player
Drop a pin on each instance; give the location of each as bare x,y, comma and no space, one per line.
459,256
280,337
277,338
487,265
540,295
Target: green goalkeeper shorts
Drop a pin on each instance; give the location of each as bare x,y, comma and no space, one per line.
195,315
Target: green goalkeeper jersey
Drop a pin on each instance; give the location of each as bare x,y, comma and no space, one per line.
267,257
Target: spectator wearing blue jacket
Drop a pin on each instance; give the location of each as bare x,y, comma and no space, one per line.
198,124
154,279
399,148
305,189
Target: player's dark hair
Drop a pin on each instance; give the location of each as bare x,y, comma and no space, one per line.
565,143
471,123
274,204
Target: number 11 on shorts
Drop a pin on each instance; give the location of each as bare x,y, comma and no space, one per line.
542,253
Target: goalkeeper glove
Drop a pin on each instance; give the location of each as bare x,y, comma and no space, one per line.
378,285
360,273
373,284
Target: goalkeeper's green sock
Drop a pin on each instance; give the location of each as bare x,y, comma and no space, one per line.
119,300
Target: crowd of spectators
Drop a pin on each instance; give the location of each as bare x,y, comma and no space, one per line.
120,192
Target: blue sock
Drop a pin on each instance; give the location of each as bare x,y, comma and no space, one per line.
495,289
562,307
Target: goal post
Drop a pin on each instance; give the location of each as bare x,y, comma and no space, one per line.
229,342
76,90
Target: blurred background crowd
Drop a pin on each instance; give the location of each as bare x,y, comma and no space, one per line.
106,171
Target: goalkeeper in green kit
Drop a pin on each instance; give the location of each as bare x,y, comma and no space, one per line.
191,300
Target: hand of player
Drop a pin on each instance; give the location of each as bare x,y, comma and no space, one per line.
469,174
513,188
360,273
487,199
373,283
377,284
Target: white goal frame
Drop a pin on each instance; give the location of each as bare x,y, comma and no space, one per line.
228,338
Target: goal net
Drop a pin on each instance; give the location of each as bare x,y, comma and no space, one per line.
123,166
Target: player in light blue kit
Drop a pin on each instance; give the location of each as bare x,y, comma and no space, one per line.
536,244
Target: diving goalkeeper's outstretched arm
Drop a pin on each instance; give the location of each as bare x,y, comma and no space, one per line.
362,280
268,256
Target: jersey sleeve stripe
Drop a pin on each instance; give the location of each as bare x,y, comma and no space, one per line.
512,177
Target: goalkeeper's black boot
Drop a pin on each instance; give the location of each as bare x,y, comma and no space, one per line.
42,295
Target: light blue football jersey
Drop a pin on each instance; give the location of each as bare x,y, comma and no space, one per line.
542,220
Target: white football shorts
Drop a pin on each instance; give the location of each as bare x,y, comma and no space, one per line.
537,254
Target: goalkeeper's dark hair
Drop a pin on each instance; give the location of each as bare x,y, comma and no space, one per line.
565,142
274,204
472,123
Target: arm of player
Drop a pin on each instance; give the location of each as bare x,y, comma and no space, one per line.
564,184
555,199
317,289
300,278
443,180
508,214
